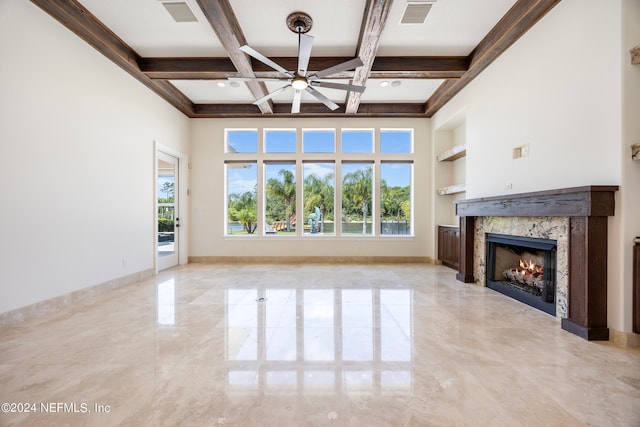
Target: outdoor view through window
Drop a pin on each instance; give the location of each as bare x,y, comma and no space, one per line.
318,182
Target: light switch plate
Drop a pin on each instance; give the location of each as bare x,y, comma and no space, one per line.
517,152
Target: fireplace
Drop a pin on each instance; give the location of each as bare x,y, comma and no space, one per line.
581,271
523,268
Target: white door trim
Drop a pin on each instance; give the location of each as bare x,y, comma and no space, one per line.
182,206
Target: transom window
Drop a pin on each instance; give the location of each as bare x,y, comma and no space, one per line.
288,183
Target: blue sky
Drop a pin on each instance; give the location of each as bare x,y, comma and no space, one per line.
319,141
161,181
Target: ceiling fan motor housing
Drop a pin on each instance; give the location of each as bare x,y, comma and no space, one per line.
299,22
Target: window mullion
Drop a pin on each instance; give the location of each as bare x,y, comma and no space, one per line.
299,199
337,202
261,195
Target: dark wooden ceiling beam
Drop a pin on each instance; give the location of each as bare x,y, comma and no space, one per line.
400,67
373,21
309,110
223,20
154,72
523,15
85,25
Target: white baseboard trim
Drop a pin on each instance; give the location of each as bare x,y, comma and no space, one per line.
310,260
53,305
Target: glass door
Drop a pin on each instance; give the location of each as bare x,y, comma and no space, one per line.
167,215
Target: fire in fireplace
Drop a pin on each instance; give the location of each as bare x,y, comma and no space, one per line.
523,268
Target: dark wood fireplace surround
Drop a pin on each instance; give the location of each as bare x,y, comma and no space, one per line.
587,209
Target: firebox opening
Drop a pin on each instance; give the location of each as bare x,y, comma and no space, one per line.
523,268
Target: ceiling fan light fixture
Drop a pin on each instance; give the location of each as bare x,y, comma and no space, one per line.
299,83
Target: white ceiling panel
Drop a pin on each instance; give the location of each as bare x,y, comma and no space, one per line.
149,29
208,91
452,28
409,90
336,25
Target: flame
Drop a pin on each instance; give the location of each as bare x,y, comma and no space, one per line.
530,268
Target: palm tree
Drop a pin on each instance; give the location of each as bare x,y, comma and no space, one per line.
319,192
243,208
357,185
285,190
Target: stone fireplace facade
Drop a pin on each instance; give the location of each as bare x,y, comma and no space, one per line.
577,218
552,228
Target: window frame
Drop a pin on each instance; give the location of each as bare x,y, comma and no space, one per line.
338,158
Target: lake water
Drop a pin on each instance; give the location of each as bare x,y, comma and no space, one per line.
388,228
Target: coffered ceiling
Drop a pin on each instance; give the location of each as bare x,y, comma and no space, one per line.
409,70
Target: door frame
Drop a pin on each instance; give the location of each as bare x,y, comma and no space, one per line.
181,193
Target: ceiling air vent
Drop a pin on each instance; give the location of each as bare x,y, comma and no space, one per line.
179,11
416,13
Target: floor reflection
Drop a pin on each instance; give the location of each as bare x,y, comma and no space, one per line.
315,340
167,302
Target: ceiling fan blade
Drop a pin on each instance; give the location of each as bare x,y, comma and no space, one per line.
305,43
257,79
270,95
260,57
342,86
295,106
348,65
326,101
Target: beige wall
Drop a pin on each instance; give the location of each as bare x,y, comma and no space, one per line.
77,147
208,198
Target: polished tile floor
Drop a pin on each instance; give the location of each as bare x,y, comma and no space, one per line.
310,345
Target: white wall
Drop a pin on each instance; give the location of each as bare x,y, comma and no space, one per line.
630,188
559,89
556,89
76,143
207,196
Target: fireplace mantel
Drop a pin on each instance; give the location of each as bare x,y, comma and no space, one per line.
572,202
587,209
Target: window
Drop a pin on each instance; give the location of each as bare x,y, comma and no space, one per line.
318,141
319,182
280,141
319,198
395,198
242,204
396,141
357,140
357,198
280,198
242,141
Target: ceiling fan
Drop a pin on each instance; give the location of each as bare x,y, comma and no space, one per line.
300,80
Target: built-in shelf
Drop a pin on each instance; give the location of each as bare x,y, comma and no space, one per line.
455,153
452,189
